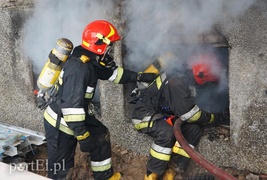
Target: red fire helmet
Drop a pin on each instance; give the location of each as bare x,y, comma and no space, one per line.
97,35
206,68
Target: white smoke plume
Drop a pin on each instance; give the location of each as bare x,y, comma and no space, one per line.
156,23
154,26
52,20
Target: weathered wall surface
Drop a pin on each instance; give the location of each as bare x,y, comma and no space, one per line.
17,102
248,88
246,150
247,37
247,85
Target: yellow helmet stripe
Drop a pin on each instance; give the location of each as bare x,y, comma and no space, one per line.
112,31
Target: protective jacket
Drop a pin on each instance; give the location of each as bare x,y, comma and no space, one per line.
169,95
76,87
74,91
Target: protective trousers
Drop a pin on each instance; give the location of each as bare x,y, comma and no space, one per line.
164,140
61,151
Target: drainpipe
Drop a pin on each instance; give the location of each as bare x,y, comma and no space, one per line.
217,172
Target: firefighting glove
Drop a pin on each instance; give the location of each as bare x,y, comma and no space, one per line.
146,77
86,142
43,101
222,118
135,94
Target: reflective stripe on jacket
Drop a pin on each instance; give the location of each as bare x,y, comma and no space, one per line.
77,83
51,117
142,115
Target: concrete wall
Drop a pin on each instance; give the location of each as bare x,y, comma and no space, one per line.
247,65
247,37
17,102
246,149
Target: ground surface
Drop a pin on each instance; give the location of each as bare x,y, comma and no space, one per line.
132,165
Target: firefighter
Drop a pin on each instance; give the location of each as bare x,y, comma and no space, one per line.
172,94
66,119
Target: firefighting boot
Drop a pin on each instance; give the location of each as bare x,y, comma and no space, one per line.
180,159
116,176
179,163
152,176
169,174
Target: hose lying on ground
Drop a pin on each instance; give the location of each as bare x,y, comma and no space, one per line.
217,172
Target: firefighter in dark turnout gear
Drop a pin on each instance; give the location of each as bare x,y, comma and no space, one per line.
169,96
67,120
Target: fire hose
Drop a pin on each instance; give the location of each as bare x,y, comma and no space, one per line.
217,172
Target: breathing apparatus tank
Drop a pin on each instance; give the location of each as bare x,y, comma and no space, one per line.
157,67
53,66
154,67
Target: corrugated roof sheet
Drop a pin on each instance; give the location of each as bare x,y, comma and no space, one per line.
16,140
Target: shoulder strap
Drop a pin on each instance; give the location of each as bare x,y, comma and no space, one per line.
163,83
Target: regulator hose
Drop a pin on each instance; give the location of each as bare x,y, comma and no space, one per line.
217,172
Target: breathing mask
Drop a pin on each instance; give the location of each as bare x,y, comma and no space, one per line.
107,60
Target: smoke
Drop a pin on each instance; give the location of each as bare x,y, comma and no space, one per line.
154,26
52,20
157,27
